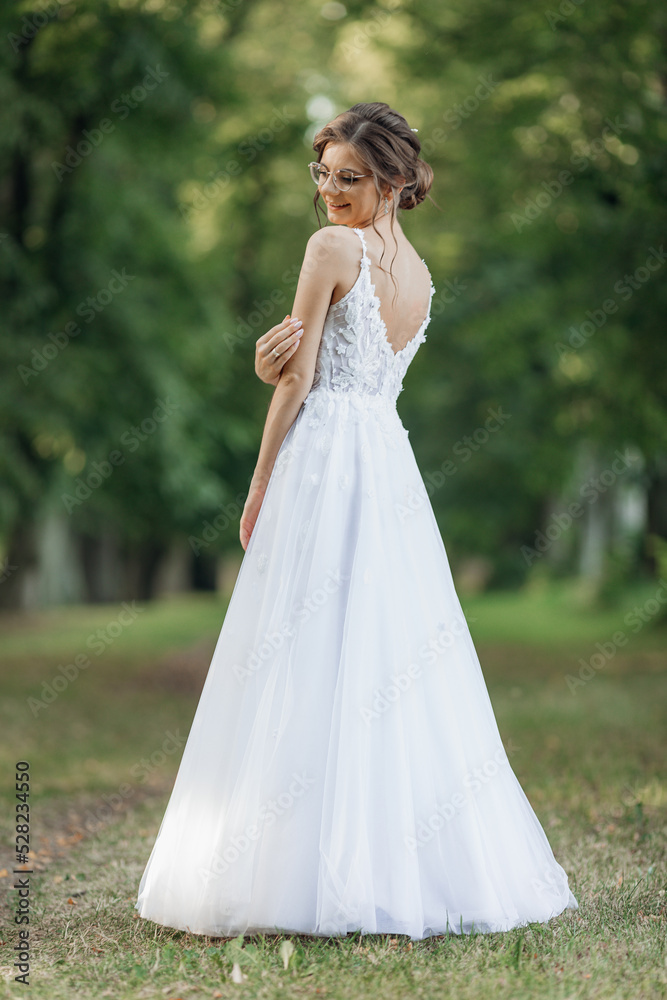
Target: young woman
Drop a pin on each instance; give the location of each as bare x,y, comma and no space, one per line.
344,769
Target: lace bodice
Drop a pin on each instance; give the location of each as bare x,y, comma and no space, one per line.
355,354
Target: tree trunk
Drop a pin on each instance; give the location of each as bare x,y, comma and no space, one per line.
17,573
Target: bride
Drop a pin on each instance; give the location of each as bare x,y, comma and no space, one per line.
344,769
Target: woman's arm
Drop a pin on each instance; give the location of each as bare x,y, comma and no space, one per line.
326,253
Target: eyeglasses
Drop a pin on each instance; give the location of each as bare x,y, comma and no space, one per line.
342,179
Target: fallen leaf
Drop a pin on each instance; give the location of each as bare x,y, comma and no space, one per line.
286,951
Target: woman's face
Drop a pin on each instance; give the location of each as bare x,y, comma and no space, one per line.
354,207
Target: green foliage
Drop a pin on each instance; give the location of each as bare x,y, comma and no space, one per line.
538,251
546,132
110,316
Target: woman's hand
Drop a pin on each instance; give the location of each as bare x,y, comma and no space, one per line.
283,339
250,513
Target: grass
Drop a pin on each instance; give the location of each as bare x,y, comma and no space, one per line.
590,758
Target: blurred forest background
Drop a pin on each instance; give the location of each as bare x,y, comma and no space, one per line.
154,208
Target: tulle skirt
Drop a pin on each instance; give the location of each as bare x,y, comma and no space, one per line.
344,770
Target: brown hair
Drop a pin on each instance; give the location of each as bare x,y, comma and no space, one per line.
387,147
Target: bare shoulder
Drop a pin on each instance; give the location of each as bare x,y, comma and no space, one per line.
334,240
332,249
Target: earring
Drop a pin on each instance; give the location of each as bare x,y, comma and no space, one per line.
386,205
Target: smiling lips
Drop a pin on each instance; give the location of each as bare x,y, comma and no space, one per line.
330,205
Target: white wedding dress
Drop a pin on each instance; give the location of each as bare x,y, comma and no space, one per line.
344,769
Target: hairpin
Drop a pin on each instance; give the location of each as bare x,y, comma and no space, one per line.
414,130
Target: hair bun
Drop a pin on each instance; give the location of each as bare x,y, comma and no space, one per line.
413,194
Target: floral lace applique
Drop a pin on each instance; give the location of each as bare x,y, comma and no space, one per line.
348,409
355,355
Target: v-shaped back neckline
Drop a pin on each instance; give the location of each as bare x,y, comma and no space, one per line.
365,265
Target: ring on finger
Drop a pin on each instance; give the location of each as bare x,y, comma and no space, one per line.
275,352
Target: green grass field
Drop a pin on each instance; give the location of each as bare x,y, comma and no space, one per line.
104,741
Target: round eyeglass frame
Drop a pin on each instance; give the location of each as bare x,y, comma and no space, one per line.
318,169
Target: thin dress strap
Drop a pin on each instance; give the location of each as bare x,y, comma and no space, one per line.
365,259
